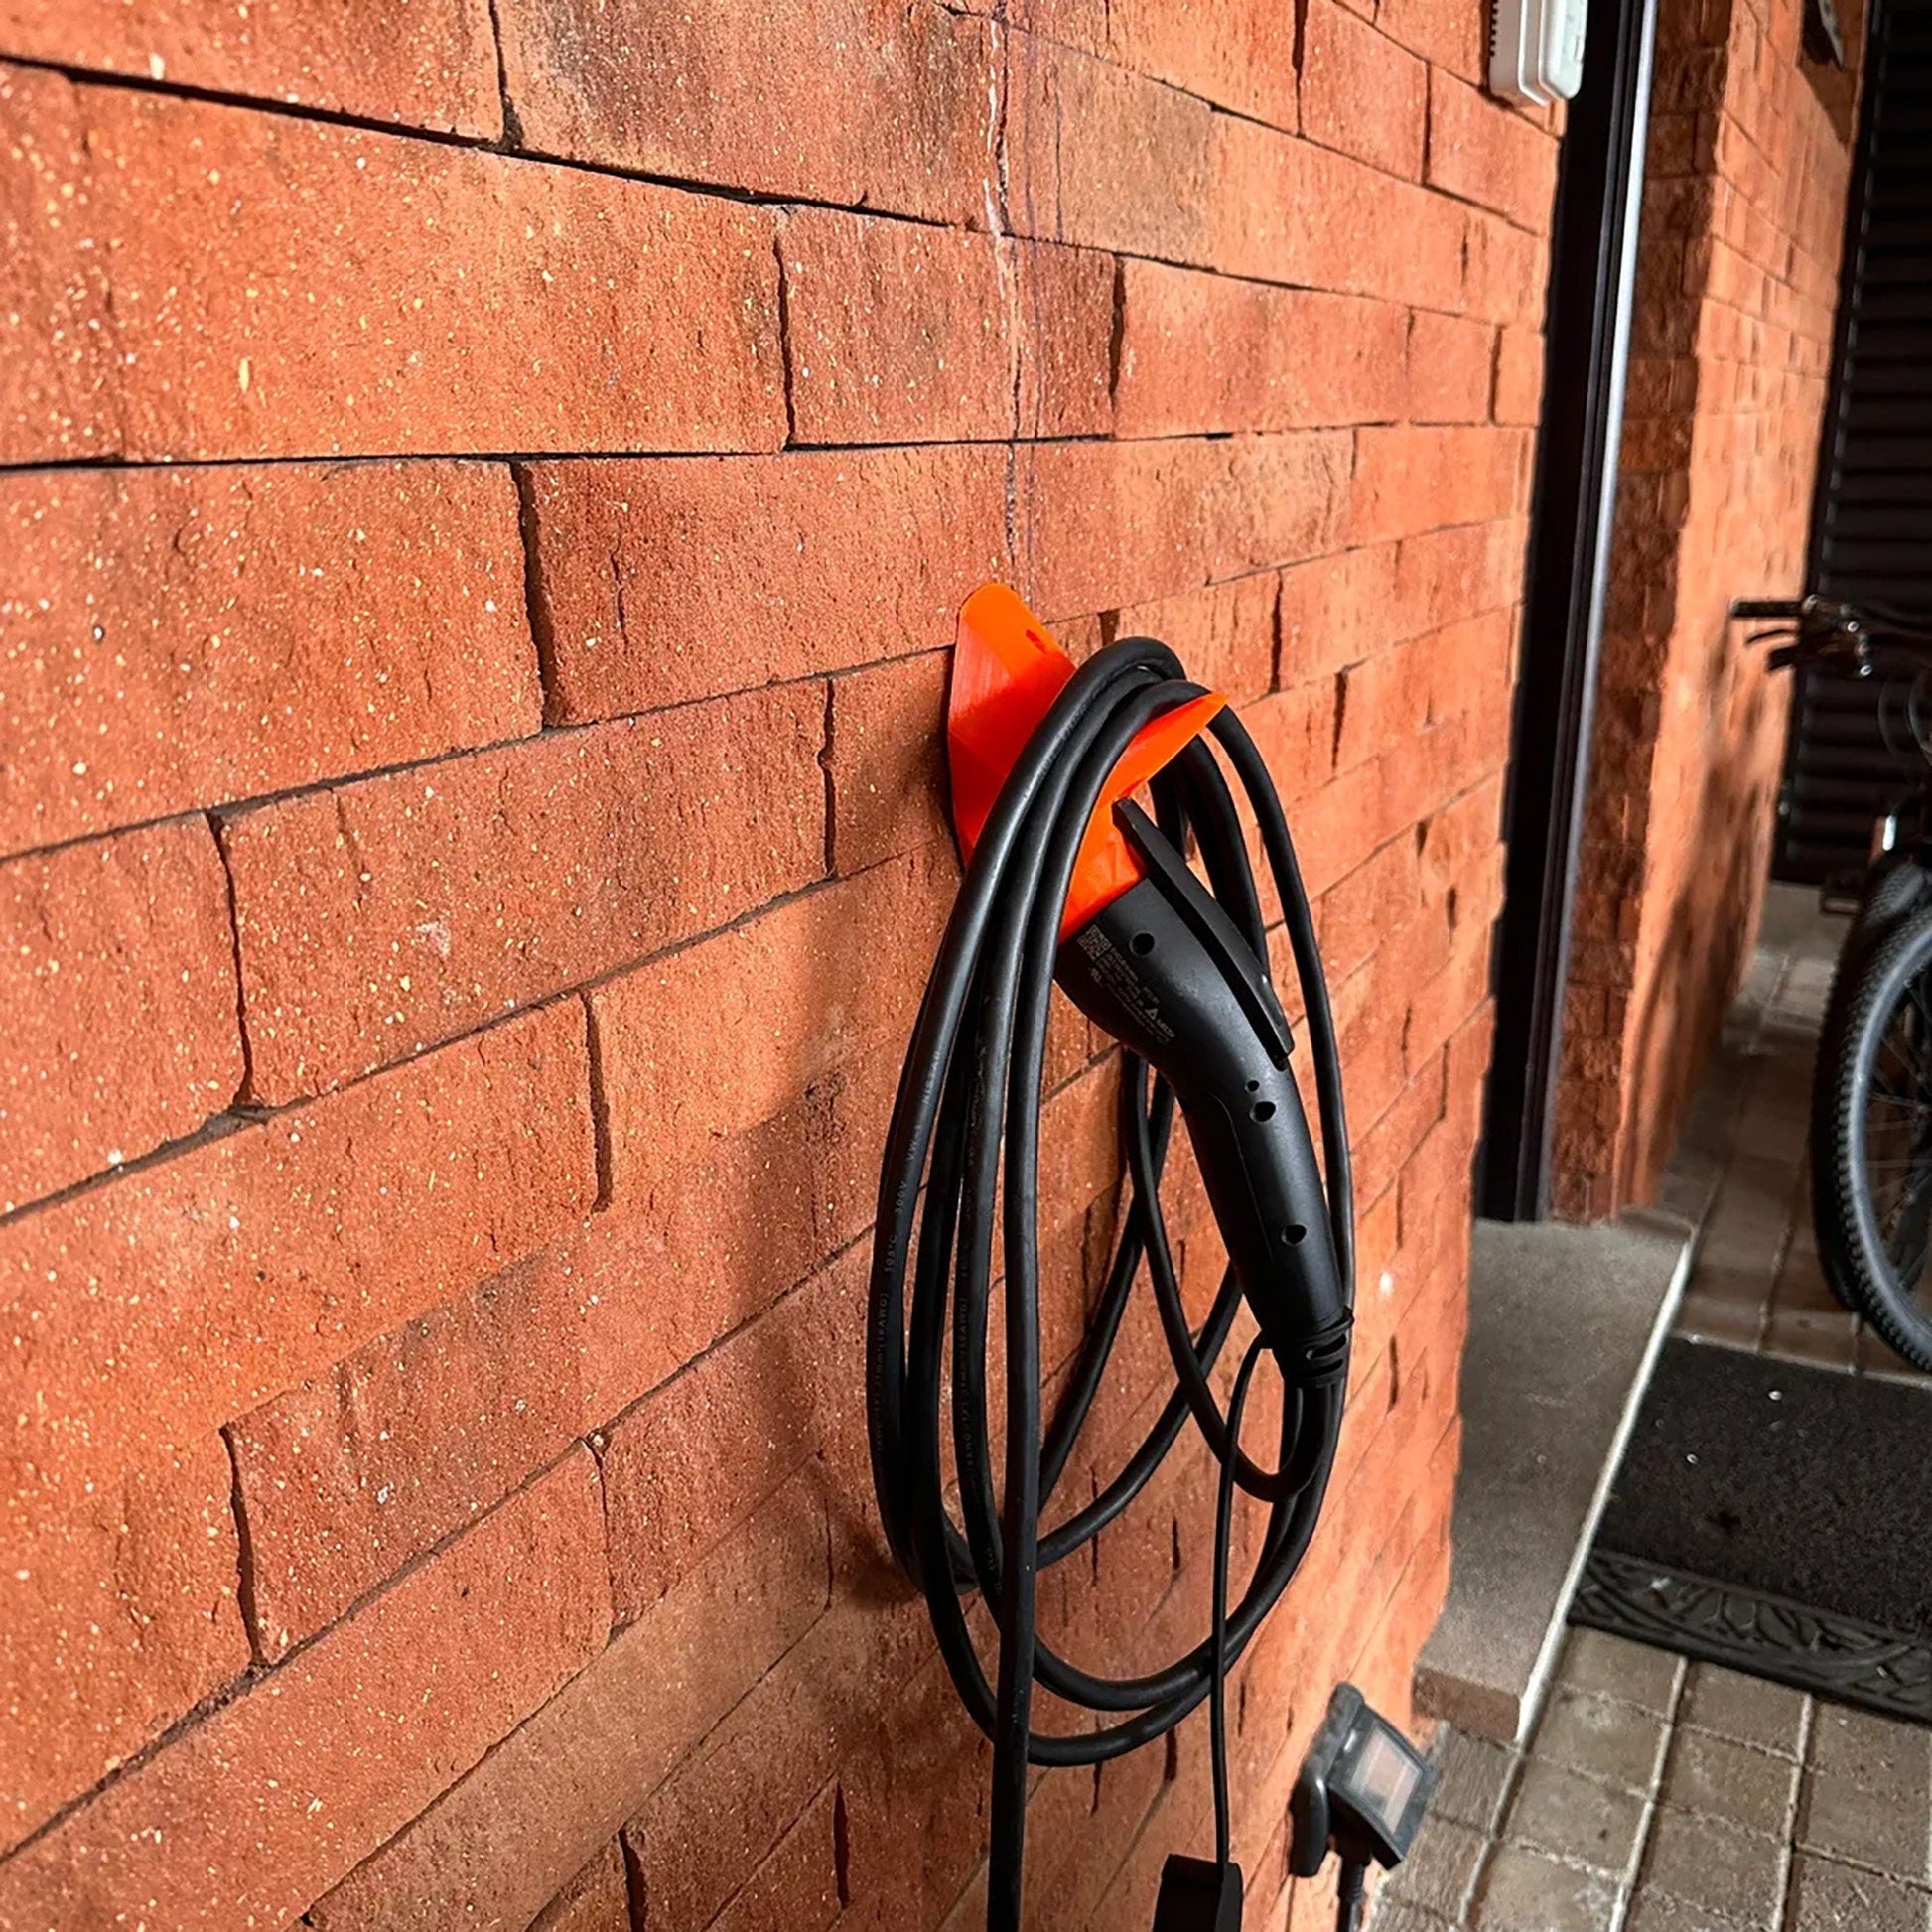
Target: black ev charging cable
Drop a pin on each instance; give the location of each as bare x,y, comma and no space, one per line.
967,1118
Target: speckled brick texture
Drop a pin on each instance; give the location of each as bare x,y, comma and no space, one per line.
1736,288
485,486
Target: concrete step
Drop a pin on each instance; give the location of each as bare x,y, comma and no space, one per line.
1565,1324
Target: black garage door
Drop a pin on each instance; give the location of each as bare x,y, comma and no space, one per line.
1850,739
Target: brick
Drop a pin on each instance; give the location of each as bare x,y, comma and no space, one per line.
1282,358
747,1080
379,917
853,104
898,333
1826,1895
1229,51
118,1612
598,1899
1382,701
1486,152
1337,610
887,761
1224,634
1362,92
1457,837
288,316
1108,524
1447,999
730,1801
1444,578
1443,31
117,970
1382,1146
351,1473
500,1843
1138,180
1716,1778
1378,896
798,1884
431,66
254,1813
60,396
916,1813
1069,318
182,637
677,579
1297,212
680,1470
1451,369
270,1252
1505,270
1409,480
1471,663
1294,730
1337,827
1162,176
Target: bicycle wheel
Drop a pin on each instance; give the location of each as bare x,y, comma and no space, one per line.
1892,889
1873,1182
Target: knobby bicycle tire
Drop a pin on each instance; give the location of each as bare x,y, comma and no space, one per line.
1880,1275
1892,892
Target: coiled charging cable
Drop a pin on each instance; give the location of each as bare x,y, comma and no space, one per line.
967,1116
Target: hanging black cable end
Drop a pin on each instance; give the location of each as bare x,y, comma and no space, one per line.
1348,1896
1198,1896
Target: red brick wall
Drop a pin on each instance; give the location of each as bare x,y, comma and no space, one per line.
487,493
1737,278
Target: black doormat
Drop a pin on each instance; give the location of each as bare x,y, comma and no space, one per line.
1777,1519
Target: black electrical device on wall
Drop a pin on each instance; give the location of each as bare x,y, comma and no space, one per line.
1068,883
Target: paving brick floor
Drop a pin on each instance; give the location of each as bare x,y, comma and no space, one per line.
1660,1796
1657,1795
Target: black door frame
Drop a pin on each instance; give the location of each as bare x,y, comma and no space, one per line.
1594,258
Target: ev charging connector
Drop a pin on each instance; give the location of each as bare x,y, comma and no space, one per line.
1361,1794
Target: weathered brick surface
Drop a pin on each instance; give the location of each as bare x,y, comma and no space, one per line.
250,1816
502,1841
441,1477
1736,275
664,582
747,1080
432,66
680,1470
885,761
173,639
1280,359
346,1476
1452,369
1362,92
852,103
117,973
338,295
1224,634
1480,149
123,1330
1129,522
456,892
59,395
598,1899
910,335
118,1612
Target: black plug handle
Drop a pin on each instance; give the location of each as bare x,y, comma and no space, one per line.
1198,1896
1165,972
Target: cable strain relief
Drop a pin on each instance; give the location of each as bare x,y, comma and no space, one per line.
1320,1360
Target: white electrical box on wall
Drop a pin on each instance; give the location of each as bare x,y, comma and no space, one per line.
1536,49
